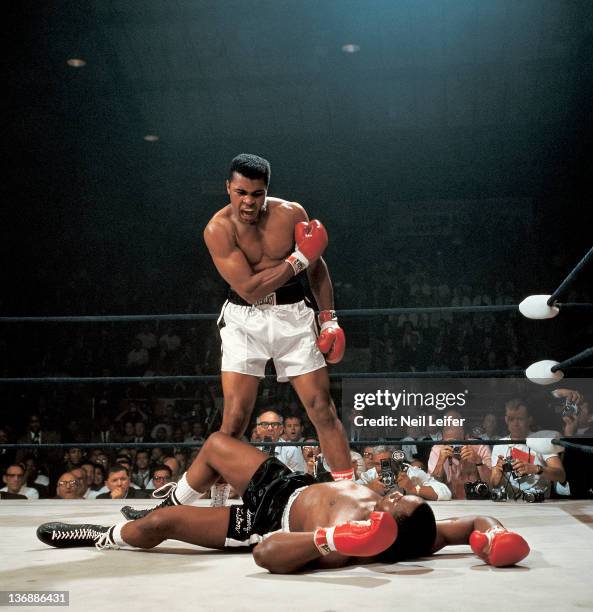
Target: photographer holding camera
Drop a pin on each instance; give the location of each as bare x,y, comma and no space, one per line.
516,467
463,468
389,474
577,419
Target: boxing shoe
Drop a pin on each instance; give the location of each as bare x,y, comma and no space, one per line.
358,538
63,535
498,546
166,493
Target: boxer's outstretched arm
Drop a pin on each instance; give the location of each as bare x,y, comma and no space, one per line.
285,553
456,531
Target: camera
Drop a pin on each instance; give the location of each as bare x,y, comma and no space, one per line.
498,494
532,496
570,409
476,490
387,474
269,450
320,473
457,451
507,468
391,468
398,462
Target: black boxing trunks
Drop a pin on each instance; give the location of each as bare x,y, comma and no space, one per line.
264,501
290,293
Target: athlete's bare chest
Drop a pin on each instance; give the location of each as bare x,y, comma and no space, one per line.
324,506
265,245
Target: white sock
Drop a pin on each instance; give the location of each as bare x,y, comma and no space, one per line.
184,494
116,535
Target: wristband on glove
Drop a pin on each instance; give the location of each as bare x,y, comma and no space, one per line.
324,540
297,261
327,316
358,538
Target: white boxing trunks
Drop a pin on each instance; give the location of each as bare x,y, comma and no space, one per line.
286,333
286,513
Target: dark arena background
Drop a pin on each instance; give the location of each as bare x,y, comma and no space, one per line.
446,145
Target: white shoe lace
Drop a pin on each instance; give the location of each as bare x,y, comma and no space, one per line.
165,490
86,533
101,538
105,542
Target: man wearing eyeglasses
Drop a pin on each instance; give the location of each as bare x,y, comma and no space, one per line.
269,427
161,475
68,487
14,479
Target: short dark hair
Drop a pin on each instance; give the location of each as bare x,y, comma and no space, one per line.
515,403
251,167
98,466
416,536
19,465
158,468
123,460
117,467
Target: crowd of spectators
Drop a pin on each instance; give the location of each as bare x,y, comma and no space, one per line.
437,472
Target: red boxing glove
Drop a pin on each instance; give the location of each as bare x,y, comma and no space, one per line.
332,340
358,538
498,546
311,240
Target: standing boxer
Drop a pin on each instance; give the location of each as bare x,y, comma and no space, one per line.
251,241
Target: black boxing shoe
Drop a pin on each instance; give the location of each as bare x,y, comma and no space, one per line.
166,493
64,535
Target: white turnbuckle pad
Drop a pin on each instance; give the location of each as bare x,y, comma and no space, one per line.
536,307
541,373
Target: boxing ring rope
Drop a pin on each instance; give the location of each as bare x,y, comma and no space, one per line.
580,447
569,280
353,312
359,443
147,445
210,377
568,363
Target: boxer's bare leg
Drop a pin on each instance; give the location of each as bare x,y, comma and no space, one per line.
313,391
201,526
224,456
240,393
